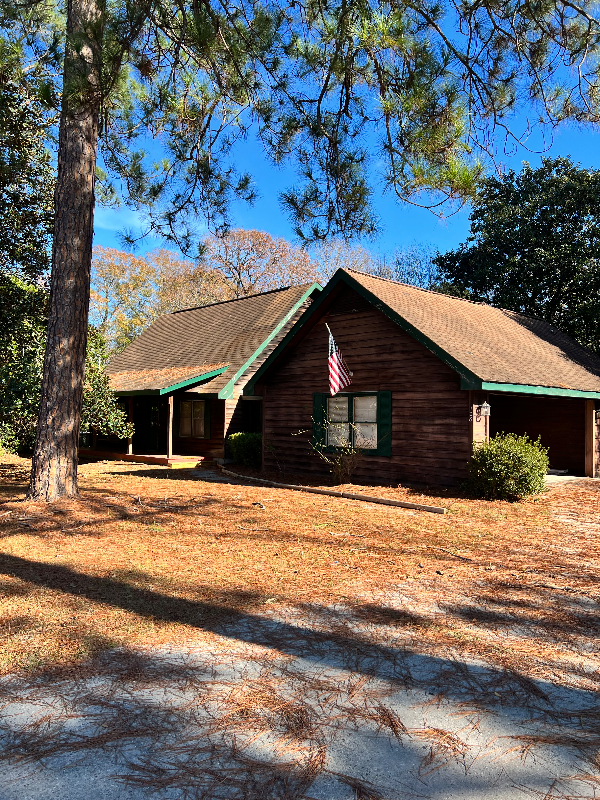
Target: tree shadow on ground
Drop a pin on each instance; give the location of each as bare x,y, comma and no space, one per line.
286,711
368,655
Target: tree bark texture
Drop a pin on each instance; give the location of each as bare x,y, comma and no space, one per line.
54,468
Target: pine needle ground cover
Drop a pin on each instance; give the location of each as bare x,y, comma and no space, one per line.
151,557
201,639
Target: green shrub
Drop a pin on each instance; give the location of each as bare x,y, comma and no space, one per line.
508,467
246,448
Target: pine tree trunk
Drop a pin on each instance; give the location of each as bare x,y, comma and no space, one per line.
54,468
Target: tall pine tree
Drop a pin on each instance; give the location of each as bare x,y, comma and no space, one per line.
358,94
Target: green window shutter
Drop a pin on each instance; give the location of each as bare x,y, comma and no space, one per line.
384,423
207,405
319,416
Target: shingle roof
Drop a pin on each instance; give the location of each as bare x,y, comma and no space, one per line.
175,346
496,345
145,379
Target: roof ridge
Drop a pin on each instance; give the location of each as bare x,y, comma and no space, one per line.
454,297
237,299
422,289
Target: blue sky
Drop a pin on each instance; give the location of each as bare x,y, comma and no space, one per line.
402,225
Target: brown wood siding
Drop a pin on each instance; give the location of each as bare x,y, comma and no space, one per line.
559,421
430,418
188,445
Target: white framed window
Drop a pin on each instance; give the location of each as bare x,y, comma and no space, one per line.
365,422
352,419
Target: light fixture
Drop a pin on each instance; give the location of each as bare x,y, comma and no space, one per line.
483,410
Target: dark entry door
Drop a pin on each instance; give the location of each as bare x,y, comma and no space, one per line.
146,421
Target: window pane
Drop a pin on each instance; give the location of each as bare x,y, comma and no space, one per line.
185,419
365,409
337,409
338,434
365,435
199,419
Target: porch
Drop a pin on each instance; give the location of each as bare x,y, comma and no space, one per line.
173,462
182,430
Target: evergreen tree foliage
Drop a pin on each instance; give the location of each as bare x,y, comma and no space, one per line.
27,179
21,377
26,171
26,218
101,411
534,247
355,94
22,338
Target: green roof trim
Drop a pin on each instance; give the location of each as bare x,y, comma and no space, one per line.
226,392
468,379
341,276
524,388
176,386
192,381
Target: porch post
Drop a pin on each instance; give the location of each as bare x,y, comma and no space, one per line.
130,419
170,428
590,437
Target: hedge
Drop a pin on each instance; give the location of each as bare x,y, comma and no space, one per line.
246,448
508,467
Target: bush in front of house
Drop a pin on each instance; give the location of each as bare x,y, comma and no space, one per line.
508,467
246,448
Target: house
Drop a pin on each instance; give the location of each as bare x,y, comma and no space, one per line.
423,366
182,380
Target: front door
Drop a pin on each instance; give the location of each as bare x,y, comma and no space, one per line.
146,421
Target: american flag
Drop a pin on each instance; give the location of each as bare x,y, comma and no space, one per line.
339,374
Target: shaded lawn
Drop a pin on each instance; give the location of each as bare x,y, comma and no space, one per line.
148,556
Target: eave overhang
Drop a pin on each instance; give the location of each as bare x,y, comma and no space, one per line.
524,388
167,390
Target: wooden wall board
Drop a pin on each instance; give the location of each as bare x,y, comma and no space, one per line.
430,419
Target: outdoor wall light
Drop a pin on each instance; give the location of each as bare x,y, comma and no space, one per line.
483,410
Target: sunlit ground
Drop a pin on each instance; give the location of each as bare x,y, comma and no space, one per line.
147,557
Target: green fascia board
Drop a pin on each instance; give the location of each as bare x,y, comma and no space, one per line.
193,381
226,392
176,386
525,388
341,276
